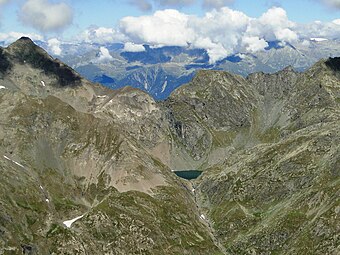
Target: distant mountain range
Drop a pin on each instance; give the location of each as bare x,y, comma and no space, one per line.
159,71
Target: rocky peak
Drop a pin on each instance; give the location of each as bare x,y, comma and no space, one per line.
24,51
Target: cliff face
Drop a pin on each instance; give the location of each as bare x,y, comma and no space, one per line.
268,146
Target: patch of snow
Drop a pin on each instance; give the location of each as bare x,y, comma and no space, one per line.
202,217
193,190
18,164
47,200
2,87
43,83
41,187
164,86
146,85
69,223
317,39
101,96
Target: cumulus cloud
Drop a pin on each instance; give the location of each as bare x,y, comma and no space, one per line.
216,3
221,31
318,29
2,2
336,22
168,27
45,15
132,47
333,3
101,35
174,3
254,44
104,56
146,5
54,46
143,5
10,37
273,25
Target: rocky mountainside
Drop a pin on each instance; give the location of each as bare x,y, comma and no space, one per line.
160,70
63,157
268,146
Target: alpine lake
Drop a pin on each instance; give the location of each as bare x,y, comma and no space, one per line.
188,174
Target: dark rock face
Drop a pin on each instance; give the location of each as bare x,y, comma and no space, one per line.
333,63
5,64
25,51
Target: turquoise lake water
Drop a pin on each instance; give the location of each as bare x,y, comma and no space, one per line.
188,174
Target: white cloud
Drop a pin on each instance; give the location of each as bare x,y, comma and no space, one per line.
216,3
336,22
221,32
101,35
132,47
333,3
143,5
168,27
273,25
45,15
318,29
104,56
254,44
54,46
224,28
4,2
174,3
10,37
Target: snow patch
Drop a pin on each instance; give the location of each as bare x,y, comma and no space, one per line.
47,200
2,87
18,164
202,217
317,39
165,84
146,85
43,83
69,223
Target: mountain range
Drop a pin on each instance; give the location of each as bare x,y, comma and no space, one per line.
89,170
159,71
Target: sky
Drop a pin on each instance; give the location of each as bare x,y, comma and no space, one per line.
222,27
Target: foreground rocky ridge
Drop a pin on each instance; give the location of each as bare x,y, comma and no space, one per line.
268,146
63,156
